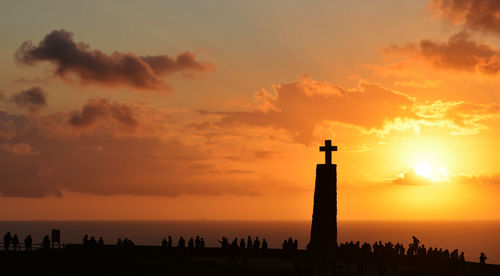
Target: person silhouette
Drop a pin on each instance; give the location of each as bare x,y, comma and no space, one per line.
416,241
191,243
164,243
28,241
295,244
6,241
15,242
264,244
182,242
256,243
224,243
202,243
249,242
46,242
462,257
234,244
92,241
86,239
197,242
169,244
120,242
242,243
100,242
482,258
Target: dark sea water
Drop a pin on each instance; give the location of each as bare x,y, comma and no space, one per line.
472,237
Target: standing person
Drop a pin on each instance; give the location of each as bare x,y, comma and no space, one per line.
169,245
264,244
46,242
6,241
197,242
256,243
182,242
191,243
249,242
482,258
15,242
28,241
242,243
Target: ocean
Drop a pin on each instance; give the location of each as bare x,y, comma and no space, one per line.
472,237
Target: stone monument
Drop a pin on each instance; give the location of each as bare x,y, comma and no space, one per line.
324,220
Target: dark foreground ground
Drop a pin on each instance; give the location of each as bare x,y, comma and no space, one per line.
150,260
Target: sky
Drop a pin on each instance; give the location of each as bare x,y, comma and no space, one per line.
181,110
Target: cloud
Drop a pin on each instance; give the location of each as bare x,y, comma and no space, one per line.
98,109
492,179
19,149
480,15
39,159
33,81
93,66
459,53
33,99
265,154
300,106
462,117
410,177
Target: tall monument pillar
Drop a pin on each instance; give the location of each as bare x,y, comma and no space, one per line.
324,220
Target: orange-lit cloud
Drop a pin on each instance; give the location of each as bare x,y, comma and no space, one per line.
45,155
300,106
93,66
410,177
19,149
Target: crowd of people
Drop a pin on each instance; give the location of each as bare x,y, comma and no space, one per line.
192,243
348,251
92,241
12,242
416,252
249,244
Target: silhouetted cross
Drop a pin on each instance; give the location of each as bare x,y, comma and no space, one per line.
327,148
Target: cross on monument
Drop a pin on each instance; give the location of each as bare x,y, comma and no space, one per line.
328,148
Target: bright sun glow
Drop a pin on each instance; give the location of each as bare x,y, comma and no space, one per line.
424,169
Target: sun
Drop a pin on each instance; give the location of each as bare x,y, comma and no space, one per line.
424,169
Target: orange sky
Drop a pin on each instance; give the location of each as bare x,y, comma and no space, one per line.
190,110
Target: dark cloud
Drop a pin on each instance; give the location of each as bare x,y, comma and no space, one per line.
460,53
94,66
98,109
33,99
481,15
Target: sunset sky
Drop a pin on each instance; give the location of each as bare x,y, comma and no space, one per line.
216,109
